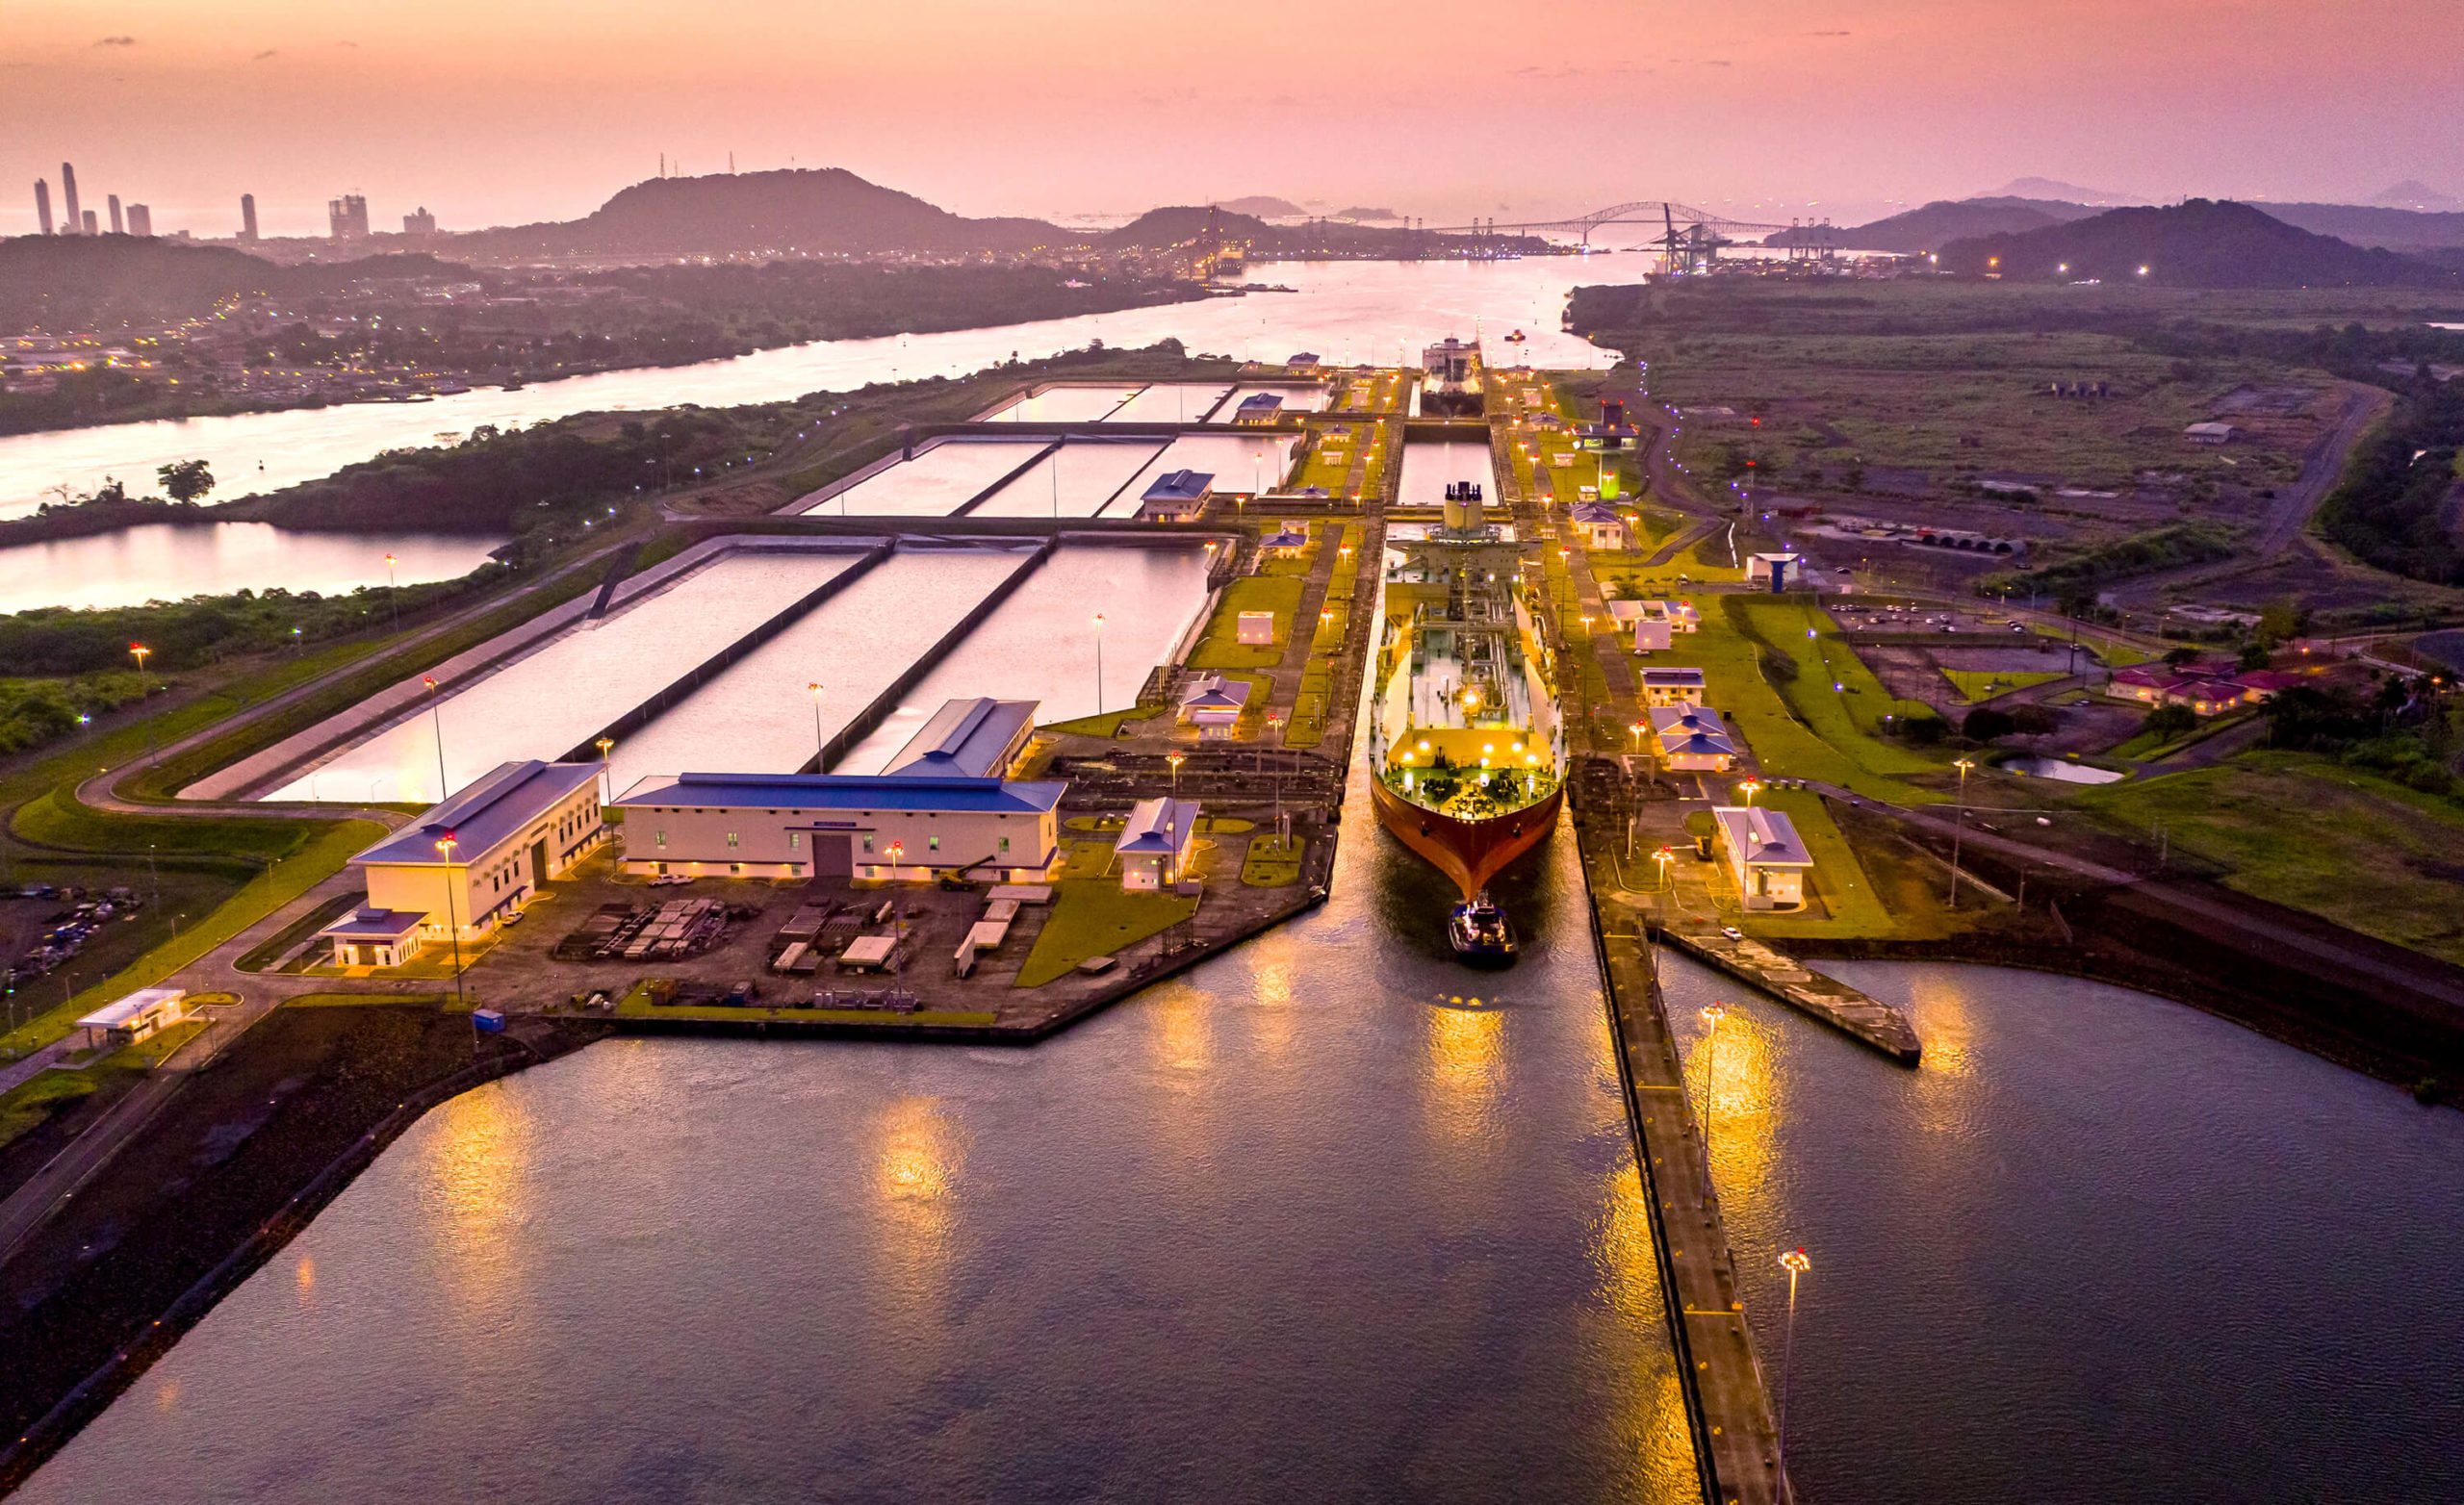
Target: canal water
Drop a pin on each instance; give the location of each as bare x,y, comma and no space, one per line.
2099,1247
1300,1225
172,561
1347,312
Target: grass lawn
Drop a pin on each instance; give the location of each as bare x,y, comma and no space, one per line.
1830,749
1839,881
1107,725
1977,684
366,1000
1273,861
1092,917
1222,647
268,891
2308,833
31,1102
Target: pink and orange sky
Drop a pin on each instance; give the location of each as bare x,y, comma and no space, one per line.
517,109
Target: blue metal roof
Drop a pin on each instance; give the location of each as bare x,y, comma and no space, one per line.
944,793
1181,486
491,808
373,924
970,737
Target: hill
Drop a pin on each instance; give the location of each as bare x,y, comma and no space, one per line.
1355,212
1264,205
823,209
1159,229
2369,224
2198,244
2414,193
62,283
1916,231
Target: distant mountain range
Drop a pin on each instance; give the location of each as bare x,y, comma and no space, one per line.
2198,243
1938,224
2071,192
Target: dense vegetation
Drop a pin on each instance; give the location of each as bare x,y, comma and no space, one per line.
2407,730
37,711
827,210
2392,507
61,283
2078,578
206,630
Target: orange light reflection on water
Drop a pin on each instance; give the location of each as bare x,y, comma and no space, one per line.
1466,1066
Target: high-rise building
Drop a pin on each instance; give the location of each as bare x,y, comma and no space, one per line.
42,204
347,217
69,197
91,228
140,219
247,216
420,223
120,226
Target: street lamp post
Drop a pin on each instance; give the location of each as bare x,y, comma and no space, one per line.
1795,1262
137,651
1750,788
819,745
444,844
1711,1057
436,723
1177,759
393,596
1099,663
1959,826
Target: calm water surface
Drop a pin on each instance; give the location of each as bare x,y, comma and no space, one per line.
1293,1228
1344,311
161,561
2100,1248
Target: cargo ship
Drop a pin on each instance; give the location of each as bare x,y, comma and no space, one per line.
1465,744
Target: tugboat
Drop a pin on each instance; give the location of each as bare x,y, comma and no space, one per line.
1480,931
1465,742
1516,338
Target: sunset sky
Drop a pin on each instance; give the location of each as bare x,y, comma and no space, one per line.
519,109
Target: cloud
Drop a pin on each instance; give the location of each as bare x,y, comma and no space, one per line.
268,53
350,45
1715,63
116,42
1826,34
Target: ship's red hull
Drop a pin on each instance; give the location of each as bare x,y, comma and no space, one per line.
1469,851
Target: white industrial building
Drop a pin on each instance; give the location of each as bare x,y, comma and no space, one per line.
1672,687
1764,856
1156,843
898,826
135,1017
1691,739
469,862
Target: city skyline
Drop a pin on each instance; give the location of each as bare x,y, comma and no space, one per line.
1912,100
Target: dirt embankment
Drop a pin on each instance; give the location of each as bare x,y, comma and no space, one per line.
234,1166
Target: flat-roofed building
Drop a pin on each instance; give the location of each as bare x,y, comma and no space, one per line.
135,1017
1156,843
1774,571
976,738
1672,687
369,936
479,857
905,825
1764,856
1691,739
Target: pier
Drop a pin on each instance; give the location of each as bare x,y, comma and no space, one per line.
1792,983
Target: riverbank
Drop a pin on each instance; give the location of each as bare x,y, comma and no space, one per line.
228,1170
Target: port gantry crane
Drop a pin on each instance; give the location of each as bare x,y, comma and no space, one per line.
1691,239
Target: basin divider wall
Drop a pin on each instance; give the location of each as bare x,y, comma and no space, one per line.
864,722
985,494
708,669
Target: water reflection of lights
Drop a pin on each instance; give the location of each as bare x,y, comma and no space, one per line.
1275,1017
1183,1028
1743,1098
1630,1283
477,1160
916,1165
306,1280
1466,1063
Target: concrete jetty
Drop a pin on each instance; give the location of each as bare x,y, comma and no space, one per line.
1792,983
1727,1404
